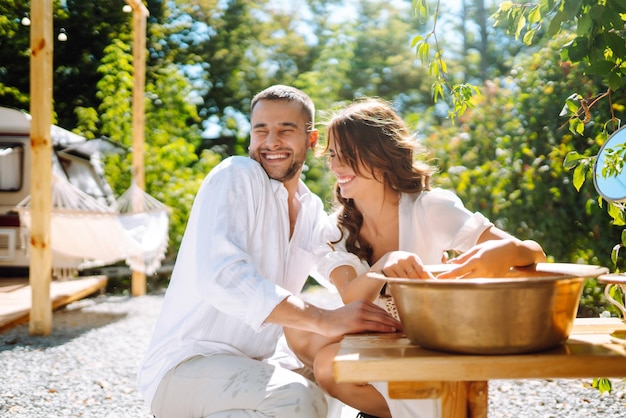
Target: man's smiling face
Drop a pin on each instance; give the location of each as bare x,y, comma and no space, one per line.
279,138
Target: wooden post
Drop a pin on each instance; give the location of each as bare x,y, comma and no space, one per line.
140,14
41,47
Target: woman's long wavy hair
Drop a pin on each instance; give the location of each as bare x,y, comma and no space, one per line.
371,133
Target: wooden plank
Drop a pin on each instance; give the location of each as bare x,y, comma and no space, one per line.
41,47
15,306
12,284
392,357
597,325
415,390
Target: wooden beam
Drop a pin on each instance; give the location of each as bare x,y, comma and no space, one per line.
140,14
41,48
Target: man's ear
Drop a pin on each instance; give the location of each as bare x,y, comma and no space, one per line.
313,138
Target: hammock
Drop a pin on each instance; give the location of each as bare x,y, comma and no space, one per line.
147,221
85,233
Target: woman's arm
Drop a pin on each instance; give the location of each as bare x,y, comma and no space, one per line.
494,255
352,286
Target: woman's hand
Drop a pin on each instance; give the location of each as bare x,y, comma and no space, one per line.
487,259
402,264
494,258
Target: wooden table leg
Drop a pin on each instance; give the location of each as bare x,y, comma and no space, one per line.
458,399
454,399
478,399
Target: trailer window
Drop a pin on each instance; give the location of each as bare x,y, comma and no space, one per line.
11,167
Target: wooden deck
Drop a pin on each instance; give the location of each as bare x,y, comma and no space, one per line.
15,296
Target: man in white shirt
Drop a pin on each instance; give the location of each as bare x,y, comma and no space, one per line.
253,237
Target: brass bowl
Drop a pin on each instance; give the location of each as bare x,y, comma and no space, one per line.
531,309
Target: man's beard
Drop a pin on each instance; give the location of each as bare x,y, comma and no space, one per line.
280,175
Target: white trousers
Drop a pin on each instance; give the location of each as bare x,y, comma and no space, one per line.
221,386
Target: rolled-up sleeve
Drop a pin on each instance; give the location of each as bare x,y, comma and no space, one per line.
331,254
450,223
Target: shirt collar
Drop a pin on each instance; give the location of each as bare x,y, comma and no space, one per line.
303,193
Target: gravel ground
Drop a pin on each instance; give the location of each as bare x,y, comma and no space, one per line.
87,367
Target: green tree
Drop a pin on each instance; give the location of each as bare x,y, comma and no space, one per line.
594,43
90,26
14,55
506,157
383,64
598,47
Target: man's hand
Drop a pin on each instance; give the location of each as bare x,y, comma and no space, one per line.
357,317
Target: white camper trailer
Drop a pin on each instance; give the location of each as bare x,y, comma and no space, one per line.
89,227
74,159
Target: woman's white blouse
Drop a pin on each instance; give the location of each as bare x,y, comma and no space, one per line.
430,223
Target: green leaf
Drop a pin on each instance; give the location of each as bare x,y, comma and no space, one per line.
534,15
615,253
415,40
602,384
555,24
437,90
420,51
528,37
616,213
616,43
505,6
584,25
576,126
521,24
572,159
572,9
420,8
602,67
578,49
579,176
615,80
444,66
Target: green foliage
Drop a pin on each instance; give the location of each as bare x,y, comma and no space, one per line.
597,46
603,385
390,72
593,303
75,61
505,159
115,89
173,169
460,94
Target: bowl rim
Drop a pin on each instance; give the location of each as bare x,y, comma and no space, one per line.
553,272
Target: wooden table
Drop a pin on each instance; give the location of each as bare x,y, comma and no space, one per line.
460,380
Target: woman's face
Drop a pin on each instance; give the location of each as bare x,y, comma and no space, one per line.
351,184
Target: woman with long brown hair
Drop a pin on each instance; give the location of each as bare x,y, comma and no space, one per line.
391,218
